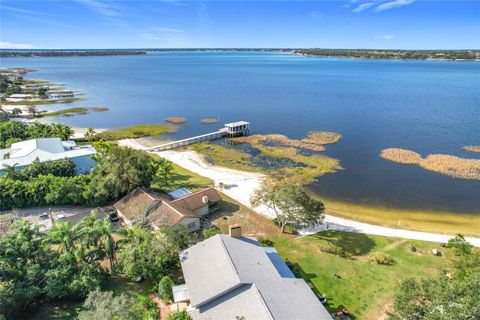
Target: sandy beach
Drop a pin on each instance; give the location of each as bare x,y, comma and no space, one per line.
240,185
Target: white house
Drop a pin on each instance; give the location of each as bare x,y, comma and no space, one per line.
21,154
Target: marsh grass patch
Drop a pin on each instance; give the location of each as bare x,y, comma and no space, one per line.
209,121
445,164
176,120
472,148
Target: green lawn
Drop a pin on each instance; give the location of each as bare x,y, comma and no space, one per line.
182,178
362,286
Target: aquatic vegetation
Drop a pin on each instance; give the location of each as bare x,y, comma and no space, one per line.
283,162
472,148
100,108
445,164
137,131
314,141
322,137
176,120
209,121
452,166
401,156
65,112
72,111
226,157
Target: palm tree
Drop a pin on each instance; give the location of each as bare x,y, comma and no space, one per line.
33,110
104,228
60,130
90,133
64,235
11,171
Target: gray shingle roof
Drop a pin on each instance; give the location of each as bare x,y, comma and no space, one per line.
228,277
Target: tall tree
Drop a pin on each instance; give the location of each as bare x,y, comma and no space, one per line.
290,203
165,170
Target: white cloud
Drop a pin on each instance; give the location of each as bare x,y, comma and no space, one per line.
393,4
316,14
363,6
101,8
170,36
10,45
385,37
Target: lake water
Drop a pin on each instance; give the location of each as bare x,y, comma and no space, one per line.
425,106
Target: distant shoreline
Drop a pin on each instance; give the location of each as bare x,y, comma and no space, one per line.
367,54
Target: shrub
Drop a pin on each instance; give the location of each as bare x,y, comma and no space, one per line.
265,242
210,232
165,289
382,258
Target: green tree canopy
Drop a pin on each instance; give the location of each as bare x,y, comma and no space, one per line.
290,203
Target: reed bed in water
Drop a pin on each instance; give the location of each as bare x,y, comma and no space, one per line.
472,148
453,166
401,156
322,137
313,142
100,108
209,121
445,164
176,120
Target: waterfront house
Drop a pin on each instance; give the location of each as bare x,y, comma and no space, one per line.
159,209
21,154
232,277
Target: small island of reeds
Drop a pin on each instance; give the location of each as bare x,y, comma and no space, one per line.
209,121
445,164
472,148
176,120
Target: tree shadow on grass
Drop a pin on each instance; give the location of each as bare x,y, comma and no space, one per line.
177,181
346,244
332,308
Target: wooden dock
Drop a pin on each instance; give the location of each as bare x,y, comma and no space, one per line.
233,129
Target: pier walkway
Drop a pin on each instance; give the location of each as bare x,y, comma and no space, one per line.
233,129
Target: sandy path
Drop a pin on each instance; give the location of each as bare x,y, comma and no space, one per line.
242,184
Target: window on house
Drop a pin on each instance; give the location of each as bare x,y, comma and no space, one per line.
191,225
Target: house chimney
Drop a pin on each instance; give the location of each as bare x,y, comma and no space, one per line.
205,200
235,231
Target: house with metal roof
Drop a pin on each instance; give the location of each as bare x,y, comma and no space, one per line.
159,209
21,154
231,277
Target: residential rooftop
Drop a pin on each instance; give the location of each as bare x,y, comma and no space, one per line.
25,152
228,277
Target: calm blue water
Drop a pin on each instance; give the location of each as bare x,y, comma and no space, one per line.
425,106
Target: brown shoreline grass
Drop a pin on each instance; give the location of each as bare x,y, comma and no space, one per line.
176,120
472,148
445,164
99,108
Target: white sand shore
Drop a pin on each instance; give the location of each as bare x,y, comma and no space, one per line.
240,186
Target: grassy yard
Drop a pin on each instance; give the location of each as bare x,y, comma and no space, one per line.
363,286
182,178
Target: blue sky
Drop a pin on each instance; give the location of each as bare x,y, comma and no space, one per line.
403,24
